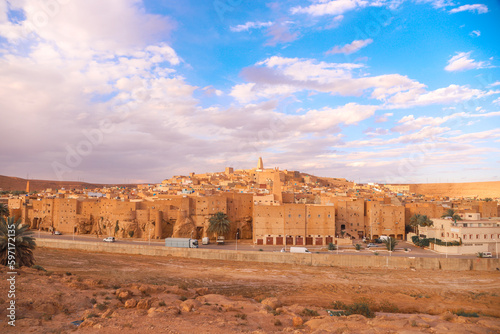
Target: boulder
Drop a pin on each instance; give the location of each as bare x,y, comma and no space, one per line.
272,302
189,305
130,303
297,321
144,304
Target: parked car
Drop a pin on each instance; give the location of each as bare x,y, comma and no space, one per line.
372,245
487,254
220,240
109,239
57,233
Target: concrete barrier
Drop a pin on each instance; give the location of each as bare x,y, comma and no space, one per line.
319,260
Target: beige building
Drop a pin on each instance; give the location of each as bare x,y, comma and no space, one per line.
475,235
294,224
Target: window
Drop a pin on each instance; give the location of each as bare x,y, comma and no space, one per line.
465,236
477,236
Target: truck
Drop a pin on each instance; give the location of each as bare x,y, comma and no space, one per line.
181,242
299,250
220,240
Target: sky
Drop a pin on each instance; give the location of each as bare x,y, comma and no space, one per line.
125,91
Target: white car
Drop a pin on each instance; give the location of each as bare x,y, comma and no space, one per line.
109,239
57,233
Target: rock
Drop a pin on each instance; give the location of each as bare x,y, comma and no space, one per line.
107,314
272,302
297,321
201,291
145,289
357,318
124,295
189,305
87,323
447,316
130,303
144,304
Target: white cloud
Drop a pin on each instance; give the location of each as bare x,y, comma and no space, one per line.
350,48
283,76
462,62
333,7
475,33
250,25
438,3
410,123
478,8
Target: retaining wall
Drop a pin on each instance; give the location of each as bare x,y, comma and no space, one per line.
328,259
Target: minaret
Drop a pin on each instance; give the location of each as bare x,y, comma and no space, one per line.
260,164
28,187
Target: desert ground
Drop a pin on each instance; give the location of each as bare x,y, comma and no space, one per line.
114,293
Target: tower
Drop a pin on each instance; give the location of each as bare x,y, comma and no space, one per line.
260,164
278,196
28,187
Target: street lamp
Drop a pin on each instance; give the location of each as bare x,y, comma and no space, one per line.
236,240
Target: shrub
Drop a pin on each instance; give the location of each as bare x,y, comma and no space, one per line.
277,322
376,253
357,246
68,273
241,316
162,303
361,307
388,307
462,313
37,267
261,250
183,298
309,313
100,307
131,234
332,246
480,254
93,301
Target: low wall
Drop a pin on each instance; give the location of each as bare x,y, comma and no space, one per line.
325,259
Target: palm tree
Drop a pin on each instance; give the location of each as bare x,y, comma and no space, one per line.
419,220
219,224
451,213
23,244
390,243
4,210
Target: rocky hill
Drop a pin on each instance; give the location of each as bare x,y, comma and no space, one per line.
9,183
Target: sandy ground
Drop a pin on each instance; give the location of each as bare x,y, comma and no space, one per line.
128,294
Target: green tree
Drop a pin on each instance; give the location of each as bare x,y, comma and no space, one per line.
488,199
219,224
451,213
390,243
4,210
24,243
418,220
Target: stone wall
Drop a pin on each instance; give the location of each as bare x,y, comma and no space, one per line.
328,260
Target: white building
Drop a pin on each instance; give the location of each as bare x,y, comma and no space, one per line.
475,235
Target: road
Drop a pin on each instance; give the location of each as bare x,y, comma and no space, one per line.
247,245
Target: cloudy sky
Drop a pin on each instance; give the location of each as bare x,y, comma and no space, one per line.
389,91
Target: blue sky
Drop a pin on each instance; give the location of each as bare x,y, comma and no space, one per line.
137,91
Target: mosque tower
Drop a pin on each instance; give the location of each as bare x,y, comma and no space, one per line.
260,164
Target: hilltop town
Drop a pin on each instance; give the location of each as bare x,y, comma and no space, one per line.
266,205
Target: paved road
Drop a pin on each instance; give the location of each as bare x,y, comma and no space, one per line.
247,245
